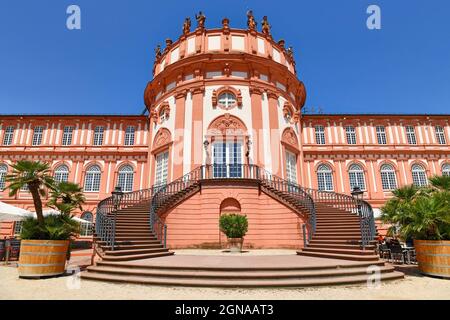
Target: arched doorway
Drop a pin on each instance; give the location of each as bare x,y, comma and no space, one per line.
228,206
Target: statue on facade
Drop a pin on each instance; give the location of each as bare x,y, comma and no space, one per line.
201,18
158,52
251,22
265,26
187,26
290,53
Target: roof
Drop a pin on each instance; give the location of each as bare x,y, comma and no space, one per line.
70,115
377,114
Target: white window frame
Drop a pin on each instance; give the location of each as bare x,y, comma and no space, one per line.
129,135
325,178
125,178
319,132
411,135
440,135
356,177
227,100
446,169
98,135
388,177
381,134
3,173
92,179
162,168
350,133
9,135
61,173
38,132
227,159
67,135
291,167
419,175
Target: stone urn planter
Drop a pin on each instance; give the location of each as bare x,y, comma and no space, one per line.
42,258
235,244
234,226
433,257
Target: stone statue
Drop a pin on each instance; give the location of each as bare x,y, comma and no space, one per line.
265,26
158,52
187,26
201,18
290,53
251,23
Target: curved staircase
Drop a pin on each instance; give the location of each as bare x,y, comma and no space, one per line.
338,227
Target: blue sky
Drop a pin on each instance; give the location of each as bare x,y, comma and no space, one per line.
104,67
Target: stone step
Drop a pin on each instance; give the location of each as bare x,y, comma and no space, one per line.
339,251
338,246
194,282
137,256
340,256
132,242
135,246
128,252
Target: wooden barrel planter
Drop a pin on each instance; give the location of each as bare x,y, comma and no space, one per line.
433,257
42,258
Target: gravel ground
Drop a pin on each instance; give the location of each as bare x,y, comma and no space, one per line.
69,287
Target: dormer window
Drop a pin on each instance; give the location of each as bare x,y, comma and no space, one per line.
227,100
164,112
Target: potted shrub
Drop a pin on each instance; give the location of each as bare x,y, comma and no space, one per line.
423,214
45,240
235,227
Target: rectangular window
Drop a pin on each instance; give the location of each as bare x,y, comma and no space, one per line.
37,135
440,135
86,229
8,137
162,163
18,227
129,136
291,167
67,136
98,135
381,135
411,135
351,134
227,159
320,134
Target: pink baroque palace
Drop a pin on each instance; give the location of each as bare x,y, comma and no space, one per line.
225,133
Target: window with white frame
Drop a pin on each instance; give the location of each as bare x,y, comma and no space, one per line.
381,134
320,134
61,173
446,169
8,137
129,136
388,177
125,178
67,136
411,135
162,166
37,135
350,134
92,179
98,135
325,178
356,177
86,227
440,135
227,159
227,100
18,228
419,175
3,173
291,166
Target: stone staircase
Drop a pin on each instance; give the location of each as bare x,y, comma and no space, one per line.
133,239
338,236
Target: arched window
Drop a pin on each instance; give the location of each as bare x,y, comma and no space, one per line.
92,180
86,227
227,100
388,177
125,178
88,216
325,178
3,172
356,177
61,173
419,175
446,170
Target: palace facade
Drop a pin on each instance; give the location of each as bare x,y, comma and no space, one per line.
229,100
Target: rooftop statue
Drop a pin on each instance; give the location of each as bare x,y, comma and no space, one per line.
158,52
290,53
251,22
201,18
265,26
187,26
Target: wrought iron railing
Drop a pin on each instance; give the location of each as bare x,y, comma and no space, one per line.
348,203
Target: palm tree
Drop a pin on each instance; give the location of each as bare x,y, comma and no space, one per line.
66,197
36,176
440,182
